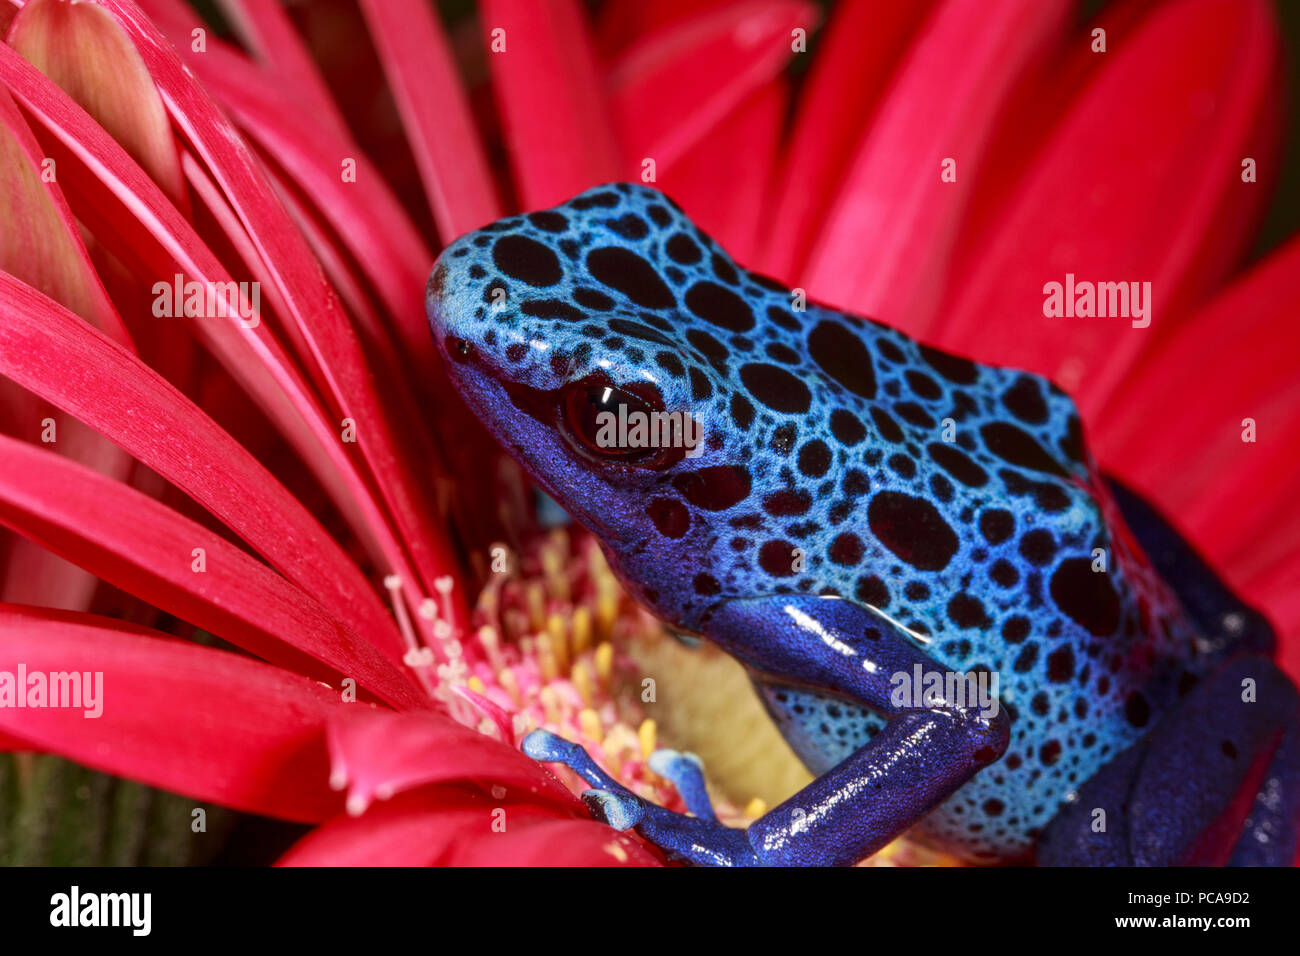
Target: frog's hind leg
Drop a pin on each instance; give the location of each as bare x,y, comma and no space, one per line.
1270,837
1226,622
1216,781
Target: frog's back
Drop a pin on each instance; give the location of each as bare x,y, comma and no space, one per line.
959,499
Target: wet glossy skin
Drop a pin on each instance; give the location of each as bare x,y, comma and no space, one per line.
950,507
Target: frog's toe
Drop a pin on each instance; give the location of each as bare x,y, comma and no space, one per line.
622,811
686,772
546,747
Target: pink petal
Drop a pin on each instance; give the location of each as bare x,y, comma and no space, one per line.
267,30
669,90
448,149
368,217
412,829
125,207
542,842
147,550
1191,89
889,234
856,55
620,23
722,184
48,350
1233,359
206,723
1174,431
40,243
312,305
557,126
1048,89
489,709
33,575
377,754
82,49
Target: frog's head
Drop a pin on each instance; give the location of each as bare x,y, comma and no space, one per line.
597,340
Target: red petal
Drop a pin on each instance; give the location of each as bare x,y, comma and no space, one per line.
1191,90
206,723
1232,360
380,753
890,231
1183,448
672,88
620,23
123,204
82,49
557,127
368,217
312,305
412,829
49,351
267,30
41,244
147,550
541,842
723,184
857,53
448,150
495,714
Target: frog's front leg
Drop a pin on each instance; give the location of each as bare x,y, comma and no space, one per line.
920,757
698,839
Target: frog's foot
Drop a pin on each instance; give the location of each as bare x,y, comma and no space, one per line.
685,771
698,839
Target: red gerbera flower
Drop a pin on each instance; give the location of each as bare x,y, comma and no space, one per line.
283,465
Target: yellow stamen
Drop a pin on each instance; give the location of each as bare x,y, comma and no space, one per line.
546,662
581,629
604,661
551,704
645,735
557,581
591,726
606,605
535,598
559,643
581,677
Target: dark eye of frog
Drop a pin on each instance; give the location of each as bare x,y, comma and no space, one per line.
459,348
617,425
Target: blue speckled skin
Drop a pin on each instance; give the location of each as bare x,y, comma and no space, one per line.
862,504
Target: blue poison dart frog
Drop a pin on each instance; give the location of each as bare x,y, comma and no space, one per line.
958,623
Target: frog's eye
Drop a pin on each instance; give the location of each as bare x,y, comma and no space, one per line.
603,419
460,349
